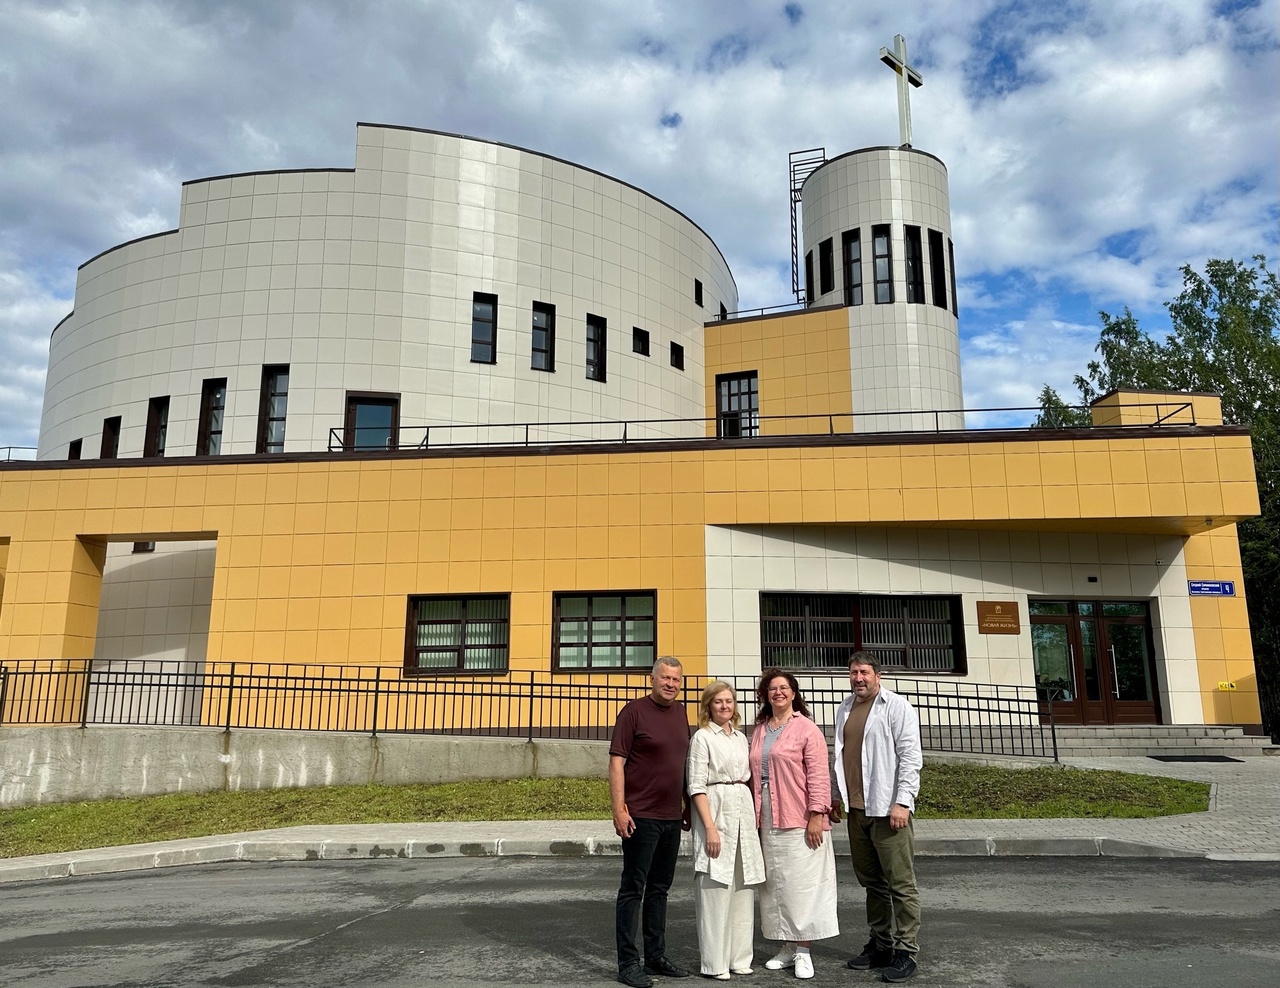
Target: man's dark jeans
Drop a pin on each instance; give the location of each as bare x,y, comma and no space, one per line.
648,866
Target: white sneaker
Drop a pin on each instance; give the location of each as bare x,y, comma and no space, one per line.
804,966
784,958
741,970
722,976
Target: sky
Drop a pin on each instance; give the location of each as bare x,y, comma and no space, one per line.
1093,147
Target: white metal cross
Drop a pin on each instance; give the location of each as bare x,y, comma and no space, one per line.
897,60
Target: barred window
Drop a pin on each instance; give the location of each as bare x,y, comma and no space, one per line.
818,631
458,634
604,631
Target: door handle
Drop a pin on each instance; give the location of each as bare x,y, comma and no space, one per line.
1115,673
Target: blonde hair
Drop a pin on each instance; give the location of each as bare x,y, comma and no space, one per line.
709,693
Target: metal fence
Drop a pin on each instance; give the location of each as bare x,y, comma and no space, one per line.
955,715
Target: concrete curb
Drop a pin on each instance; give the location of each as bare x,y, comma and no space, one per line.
145,857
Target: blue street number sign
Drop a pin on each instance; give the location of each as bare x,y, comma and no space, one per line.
1211,588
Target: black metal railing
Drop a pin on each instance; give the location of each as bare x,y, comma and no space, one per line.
770,427
956,715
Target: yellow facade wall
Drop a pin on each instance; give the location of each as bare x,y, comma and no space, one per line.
315,559
802,360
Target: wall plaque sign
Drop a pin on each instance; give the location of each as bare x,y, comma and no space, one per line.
998,617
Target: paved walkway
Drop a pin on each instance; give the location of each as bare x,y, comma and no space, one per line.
1243,823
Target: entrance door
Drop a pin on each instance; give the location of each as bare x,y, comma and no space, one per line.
1094,661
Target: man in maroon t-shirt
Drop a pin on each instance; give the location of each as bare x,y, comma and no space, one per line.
646,787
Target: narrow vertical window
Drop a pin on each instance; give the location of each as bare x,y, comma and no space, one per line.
851,250
913,258
951,266
882,255
937,270
111,438
826,267
640,341
272,406
153,442
373,420
677,356
544,337
737,405
597,353
697,292
808,278
75,449
213,407
724,313
484,328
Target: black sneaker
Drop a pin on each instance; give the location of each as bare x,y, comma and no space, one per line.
902,968
634,977
665,968
871,956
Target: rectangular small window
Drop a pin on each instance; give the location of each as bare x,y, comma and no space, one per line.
913,260
597,352
882,257
604,631
157,427
213,406
110,438
826,267
724,313
544,337
484,328
697,292
737,405
851,251
272,406
458,634
808,278
937,270
372,420
677,356
951,267
75,449
640,341
144,547
818,631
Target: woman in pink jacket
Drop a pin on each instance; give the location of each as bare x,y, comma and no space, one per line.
791,779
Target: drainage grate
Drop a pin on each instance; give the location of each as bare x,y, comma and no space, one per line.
1194,758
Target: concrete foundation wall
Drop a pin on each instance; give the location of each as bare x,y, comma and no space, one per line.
67,764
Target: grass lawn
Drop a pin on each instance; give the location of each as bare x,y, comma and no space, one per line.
947,791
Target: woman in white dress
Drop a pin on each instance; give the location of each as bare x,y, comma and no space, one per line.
727,860
791,777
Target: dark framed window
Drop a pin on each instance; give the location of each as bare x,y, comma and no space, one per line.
75,449
697,292
140,547
951,267
484,328
110,438
602,631
157,434
851,251
808,278
640,341
826,267
273,404
913,261
937,270
458,634
677,356
724,313
372,420
544,337
213,407
882,258
597,351
915,633
737,405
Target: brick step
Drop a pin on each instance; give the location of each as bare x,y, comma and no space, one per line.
1151,731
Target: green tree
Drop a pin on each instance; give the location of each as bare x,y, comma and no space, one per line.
1225,340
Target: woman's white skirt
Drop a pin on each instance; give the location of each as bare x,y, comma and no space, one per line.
798,899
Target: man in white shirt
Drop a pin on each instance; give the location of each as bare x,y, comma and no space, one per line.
877,769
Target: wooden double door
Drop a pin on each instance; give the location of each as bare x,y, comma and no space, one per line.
1094,660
